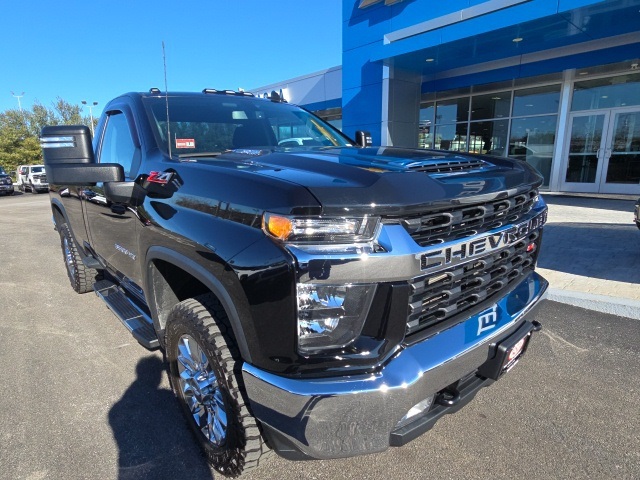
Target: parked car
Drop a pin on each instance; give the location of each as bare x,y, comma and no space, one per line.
32,177
6,183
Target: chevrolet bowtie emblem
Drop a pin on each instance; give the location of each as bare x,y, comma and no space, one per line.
366,3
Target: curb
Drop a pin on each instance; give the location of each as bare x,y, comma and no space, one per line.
622,307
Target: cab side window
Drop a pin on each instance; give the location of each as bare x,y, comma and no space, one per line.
117,144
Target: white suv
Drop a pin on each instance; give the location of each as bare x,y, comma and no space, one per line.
32,177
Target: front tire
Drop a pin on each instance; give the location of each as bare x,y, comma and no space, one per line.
206,377
81,277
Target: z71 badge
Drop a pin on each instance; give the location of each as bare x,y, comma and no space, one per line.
160,177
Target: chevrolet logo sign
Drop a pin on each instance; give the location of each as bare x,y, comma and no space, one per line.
479,246
366,3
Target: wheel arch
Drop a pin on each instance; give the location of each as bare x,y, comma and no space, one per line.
170,275
58,211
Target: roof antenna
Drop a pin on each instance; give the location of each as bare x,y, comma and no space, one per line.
166,98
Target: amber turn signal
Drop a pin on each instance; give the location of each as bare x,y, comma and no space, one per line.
279,227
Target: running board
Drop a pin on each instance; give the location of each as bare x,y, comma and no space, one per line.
138,323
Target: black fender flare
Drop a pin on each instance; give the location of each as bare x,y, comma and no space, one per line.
56,203
203,276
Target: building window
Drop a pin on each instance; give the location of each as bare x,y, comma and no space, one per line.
609,92
488,137
425,128
494,105
519,123
451,137
332,116
452,110
532,140
536,101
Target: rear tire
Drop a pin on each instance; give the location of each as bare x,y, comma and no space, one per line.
81,277
205,372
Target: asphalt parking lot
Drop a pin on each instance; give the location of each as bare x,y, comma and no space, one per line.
82,400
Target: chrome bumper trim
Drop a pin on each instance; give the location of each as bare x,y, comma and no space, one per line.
341,417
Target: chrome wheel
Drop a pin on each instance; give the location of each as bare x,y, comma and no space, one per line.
200,389
69,256
204,372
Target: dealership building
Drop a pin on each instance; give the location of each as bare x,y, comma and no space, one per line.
555,83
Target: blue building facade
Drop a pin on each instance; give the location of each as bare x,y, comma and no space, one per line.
553,83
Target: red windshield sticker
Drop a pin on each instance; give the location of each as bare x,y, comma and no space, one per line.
185,143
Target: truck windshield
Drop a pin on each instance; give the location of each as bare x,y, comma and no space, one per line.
37,169
216,123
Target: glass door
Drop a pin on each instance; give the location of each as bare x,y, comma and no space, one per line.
621,165
585,152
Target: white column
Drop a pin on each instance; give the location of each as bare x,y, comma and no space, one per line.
558,166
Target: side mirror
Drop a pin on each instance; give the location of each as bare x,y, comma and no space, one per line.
84,174
363,139
66,144
68,157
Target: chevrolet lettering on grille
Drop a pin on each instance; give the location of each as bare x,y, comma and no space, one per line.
465,251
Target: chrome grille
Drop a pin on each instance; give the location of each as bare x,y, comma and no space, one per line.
464,221
442,295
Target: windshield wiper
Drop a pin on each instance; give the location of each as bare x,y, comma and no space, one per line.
200,154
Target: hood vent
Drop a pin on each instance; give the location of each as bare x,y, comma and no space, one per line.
448,166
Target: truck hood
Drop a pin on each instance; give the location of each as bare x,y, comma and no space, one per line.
388,180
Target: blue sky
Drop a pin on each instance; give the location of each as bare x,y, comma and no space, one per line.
96,50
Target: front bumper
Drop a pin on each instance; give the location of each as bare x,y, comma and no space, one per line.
325,418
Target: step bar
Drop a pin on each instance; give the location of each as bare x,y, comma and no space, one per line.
137,322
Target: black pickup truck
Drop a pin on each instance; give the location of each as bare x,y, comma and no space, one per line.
313,296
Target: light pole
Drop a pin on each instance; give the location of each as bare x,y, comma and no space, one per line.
18,97
84,102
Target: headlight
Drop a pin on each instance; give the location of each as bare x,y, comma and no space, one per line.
320,230
331,316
